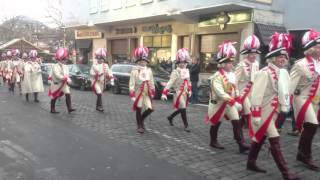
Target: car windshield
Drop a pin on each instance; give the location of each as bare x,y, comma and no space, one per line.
84,69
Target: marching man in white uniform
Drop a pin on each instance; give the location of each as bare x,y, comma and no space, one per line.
8,71
224,98
180,81
17,69
245,72
32,78
60,79
305,79
141,87
270,96
99,73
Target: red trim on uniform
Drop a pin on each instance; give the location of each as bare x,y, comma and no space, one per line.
132,94
177,102
246,92
165,92
315,84
135,104
58,92
256,111
217,116
93,87
231,102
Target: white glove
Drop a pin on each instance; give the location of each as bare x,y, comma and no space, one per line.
133,99
256,121
164,97
238,106
68,80
112,82
190,94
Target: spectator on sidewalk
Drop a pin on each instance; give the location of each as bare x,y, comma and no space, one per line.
194,78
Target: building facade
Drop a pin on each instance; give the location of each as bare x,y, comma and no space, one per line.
167,25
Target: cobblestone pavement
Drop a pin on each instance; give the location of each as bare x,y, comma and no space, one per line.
172,144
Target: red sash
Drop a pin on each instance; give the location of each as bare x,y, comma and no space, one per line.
217,116
259,134
176,104
93,87
312,93
135,104
57,93
262,130
246,92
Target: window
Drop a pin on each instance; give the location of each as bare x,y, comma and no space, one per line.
157,41
93,6
104,6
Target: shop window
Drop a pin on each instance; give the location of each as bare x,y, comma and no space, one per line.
166,41
209,47
147,41
156,41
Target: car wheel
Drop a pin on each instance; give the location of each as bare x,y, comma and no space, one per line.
116,89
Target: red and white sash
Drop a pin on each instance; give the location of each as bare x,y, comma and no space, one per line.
312,93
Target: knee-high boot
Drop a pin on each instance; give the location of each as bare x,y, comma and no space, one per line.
279,159
99,106
139,121
184,119
145,114
27,97
53,106
68,102
253,155
170,118
214,136
238,136
305,146
36,97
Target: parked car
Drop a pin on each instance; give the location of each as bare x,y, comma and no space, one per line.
46,72
80,76
121,72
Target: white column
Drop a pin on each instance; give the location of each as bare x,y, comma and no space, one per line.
174,46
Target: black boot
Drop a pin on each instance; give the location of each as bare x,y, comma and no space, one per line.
145,114
214,136
184,120
27,97
68,102
238,136
253,155
139,121
99,106
279,159
36,97
53,106
170,118
305,146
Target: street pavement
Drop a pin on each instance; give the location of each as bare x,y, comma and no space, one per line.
87,144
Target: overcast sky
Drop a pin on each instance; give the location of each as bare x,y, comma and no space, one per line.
35,9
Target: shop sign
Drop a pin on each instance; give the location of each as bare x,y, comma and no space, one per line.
128,30
87,34
156,29
224,18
